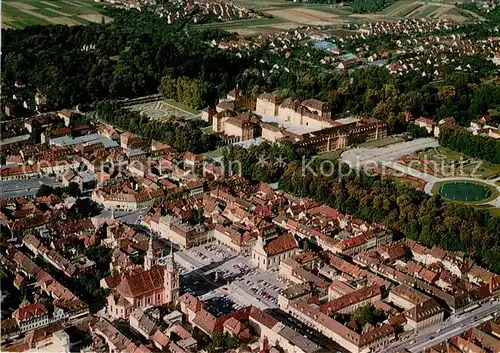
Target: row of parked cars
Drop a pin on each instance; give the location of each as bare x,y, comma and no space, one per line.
218,252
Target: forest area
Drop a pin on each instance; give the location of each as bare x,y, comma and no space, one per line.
461,140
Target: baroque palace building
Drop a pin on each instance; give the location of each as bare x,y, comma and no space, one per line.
303,122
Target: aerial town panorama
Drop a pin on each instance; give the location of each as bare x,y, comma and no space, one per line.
264,176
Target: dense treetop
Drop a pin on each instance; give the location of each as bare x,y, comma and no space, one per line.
131,56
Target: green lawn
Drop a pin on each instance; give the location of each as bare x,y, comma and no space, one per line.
214,154
20,14
495,212
484,169
474,168
181,106
406,182
333,155
450,153
389,140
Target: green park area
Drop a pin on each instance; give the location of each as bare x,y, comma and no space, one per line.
389,140
332,156
451,163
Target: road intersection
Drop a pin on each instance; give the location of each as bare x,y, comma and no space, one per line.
453,326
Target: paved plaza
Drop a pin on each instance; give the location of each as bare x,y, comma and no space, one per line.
222,275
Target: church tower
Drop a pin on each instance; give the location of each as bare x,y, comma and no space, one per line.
171,279
150,258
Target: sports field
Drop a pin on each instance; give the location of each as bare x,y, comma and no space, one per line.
20,14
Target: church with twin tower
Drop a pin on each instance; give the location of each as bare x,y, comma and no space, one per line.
154,286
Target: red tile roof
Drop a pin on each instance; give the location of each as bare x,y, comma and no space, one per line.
139,284
262,318
192,303
29,311
207,322
281,244
351,298
161,338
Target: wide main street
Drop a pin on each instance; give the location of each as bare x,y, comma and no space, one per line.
449,328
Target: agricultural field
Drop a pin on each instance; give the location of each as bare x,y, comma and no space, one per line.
421,9
306,16
20,14
288,15
410,9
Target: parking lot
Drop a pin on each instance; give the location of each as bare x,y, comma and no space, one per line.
226,281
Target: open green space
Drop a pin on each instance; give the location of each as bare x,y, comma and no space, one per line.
465,191
214,154
452,163
389,140
154,113
13,18
407,10
333,155
495,212
394,7
406,182
181,106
